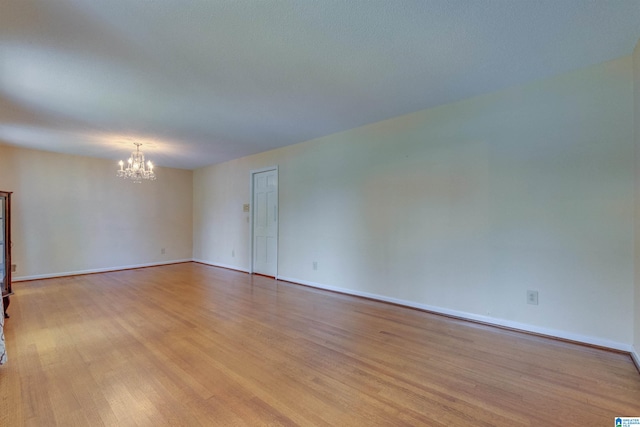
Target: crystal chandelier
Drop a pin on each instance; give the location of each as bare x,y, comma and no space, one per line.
136,169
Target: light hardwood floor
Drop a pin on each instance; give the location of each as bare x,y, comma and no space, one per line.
189,345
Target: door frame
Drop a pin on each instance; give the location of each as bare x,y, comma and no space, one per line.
252,174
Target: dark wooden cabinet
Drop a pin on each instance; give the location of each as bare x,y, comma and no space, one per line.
5,247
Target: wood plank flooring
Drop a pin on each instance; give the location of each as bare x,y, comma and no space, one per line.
190,345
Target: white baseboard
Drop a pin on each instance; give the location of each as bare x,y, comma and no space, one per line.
585,339
217,264
95,270
636,358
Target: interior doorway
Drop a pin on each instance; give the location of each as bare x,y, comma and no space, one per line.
264,221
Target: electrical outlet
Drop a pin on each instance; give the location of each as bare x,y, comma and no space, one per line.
162,251
13,268
233,253
532,297
315,265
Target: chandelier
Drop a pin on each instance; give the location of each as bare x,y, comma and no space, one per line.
136,169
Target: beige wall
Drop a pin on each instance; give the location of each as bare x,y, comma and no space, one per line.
72,214
461,208
636,94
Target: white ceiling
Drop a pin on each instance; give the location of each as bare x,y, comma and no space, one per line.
202,81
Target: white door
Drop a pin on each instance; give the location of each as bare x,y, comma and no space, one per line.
265,222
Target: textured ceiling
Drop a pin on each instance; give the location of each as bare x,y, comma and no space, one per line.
202,81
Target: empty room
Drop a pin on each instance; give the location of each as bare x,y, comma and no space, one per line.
320,213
